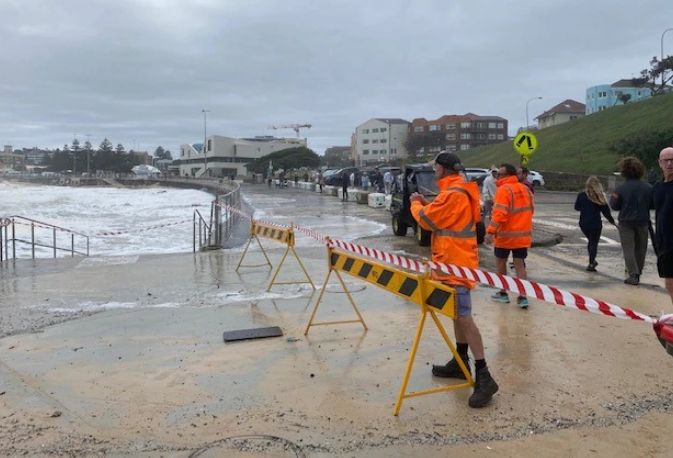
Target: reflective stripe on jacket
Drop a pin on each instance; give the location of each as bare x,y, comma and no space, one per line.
452,218
512,218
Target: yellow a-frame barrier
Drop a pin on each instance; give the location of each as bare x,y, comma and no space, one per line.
282,235
432,296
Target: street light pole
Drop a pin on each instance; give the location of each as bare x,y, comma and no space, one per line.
205,142
663,71
529,100
88,155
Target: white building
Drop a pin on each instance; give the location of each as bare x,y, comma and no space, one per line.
225,156
380,140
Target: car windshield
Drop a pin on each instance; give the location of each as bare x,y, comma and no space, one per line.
427,183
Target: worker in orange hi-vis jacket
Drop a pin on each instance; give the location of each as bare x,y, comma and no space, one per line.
452,217
511,227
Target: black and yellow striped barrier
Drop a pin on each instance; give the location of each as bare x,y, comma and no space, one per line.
284,235
432,296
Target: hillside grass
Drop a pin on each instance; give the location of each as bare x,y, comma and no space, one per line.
582,145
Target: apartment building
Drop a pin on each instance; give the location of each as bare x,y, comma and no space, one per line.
458,132
224,156
604,96
380,140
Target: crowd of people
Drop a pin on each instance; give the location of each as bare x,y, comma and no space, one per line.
508,206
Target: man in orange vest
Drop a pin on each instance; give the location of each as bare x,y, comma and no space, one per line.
452,217
511,227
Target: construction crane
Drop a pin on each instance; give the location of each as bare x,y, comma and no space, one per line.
294,127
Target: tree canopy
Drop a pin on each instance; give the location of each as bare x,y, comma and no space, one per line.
651,77
286,159
644,145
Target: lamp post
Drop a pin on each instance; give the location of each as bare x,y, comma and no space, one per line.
88,155
663,71
205,142
530,100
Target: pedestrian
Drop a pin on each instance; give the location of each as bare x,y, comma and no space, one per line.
352,179
522,176
296,179
365,181
511,227
633,199
591,203
320,181
452,216
378,181
388,181
345,181
305,177
488,191
662,200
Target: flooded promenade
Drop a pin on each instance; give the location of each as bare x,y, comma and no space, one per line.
123,357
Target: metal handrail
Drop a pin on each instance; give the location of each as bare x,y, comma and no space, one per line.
37,239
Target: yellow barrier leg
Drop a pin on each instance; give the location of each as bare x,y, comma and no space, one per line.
302,268
315,309
410,362
244,253
278,269
263,252
350,298
459,360
240,263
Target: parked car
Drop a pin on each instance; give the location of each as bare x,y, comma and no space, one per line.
416,178
535,178
336,178
477,175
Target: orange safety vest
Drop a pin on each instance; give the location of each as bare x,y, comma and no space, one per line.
452,217
512,217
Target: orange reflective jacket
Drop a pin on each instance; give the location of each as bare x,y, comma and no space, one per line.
452,218
512,217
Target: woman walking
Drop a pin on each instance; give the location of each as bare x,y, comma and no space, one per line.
591,203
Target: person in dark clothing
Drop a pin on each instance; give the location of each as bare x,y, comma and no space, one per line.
522,175
662,202
591,203
633,199
296,179
344,186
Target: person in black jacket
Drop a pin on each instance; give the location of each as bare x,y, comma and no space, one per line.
591,203
663,204
633,199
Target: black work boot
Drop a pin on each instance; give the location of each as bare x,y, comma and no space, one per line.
633,279
484,389
451,369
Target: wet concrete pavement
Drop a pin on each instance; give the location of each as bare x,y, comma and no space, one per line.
150,376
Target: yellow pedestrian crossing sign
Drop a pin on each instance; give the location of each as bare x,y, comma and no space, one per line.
525,143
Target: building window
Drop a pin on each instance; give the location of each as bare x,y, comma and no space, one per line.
573,117
465,136
376,140
383,151
382,129
365,131
602,94
383,140
481,136
210,146
393,151
464,146
492,125
601,108
418,129
365,151
501,137
491,136
450,136
501,125
465,125
451,147
375,131
481,125
433,127
365,141
451,126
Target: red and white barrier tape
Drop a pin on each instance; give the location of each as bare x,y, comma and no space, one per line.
234,210
60,229
145,229
313,234
523,287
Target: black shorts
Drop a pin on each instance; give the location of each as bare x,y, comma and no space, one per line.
517,253
665,264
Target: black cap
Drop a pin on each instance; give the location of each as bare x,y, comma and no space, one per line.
448,160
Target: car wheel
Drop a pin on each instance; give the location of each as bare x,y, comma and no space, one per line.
424,237
399,228
536,183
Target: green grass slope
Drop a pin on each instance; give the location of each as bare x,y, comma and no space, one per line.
581,145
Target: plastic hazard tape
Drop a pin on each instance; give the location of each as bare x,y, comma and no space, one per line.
5,222
145,229
44,226
313,234
280,234
411,286
524,287
233,210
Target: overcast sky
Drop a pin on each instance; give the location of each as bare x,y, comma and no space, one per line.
140,71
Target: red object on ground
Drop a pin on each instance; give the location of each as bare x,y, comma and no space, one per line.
664,331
